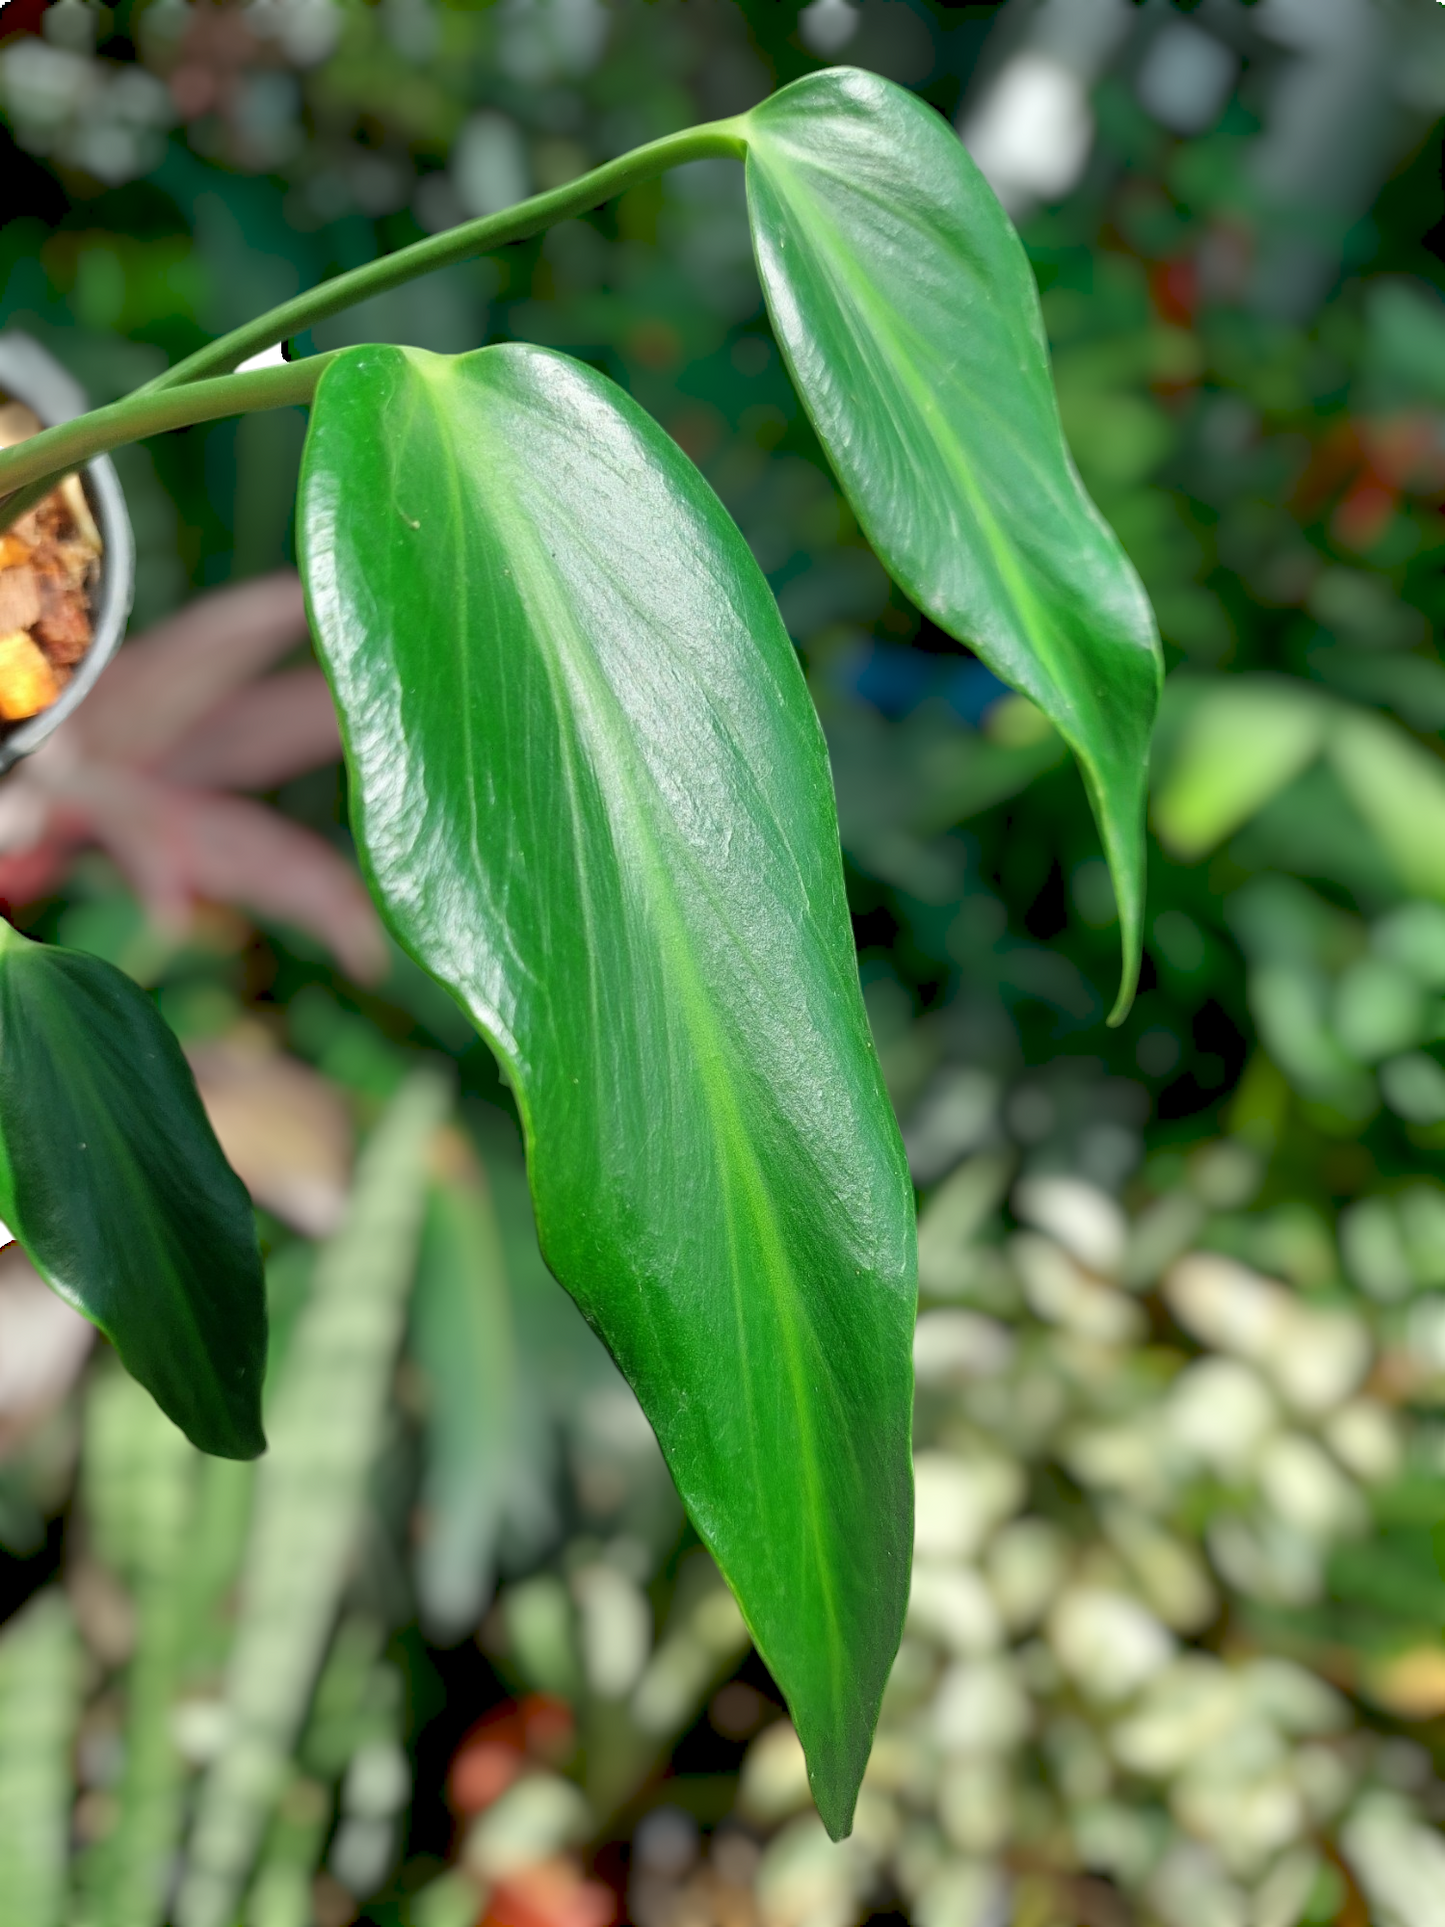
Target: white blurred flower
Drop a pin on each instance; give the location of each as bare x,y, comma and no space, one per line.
951,1606
1325,1779
774,1780
1308,1490
975,1805
1249,1820
1316,1358
1185,1708
1031,132
1108,1643
1425,1333
1119,1840
1131,1459
1083,1219
1266,1558
489,164
1365,1436
614,1627
953,1344
308,30
1221,1411
959,1502
44,87
980,1707
826,26
1399,1863
533,1820
1323,1358
1059,1291
1025,1569
1297,1700
807,1880
963,1892
544,40
1169,1572
1282,1896
1190,1888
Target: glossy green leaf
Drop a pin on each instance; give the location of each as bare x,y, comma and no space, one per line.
112,1180
594,799
908,314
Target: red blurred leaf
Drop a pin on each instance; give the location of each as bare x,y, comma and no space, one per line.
481,1772
549,1726
1365,512
554,1893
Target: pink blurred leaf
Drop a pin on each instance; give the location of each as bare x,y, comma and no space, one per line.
161,685
284,1129
261,736
177,844
140,769
43,1344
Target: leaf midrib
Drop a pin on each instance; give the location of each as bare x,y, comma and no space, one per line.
1035,620
560,644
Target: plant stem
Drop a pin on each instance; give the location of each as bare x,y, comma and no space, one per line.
34,466
716,139
187,393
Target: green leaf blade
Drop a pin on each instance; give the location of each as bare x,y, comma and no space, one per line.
594,799
908,315
112,1180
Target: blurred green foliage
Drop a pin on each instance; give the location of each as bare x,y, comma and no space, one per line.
1277,1097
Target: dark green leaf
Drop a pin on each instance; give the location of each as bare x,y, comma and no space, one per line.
594,798
909,317
112,1180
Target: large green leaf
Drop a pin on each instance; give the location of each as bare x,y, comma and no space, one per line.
594,799
909,317
112,1180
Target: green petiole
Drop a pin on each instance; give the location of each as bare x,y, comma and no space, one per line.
204,388
33,466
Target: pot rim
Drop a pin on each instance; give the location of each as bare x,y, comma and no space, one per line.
30,373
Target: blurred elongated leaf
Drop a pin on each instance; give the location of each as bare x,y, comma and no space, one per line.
326,1420
594,798
1399,789
910,320
40,1684
463,1340
112,1180
141,1480
1235,745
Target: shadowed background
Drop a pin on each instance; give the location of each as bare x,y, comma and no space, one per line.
1174,1652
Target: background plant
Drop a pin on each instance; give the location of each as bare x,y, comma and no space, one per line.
965,930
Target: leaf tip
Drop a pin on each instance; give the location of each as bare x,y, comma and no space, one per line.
835,1806
1131,945
1124,1002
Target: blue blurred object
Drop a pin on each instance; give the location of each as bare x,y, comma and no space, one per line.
896,680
